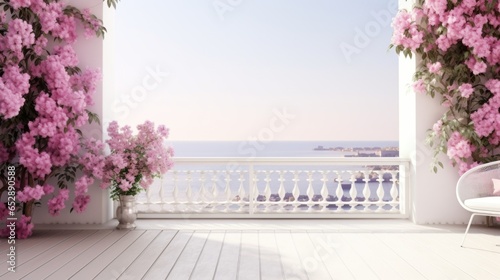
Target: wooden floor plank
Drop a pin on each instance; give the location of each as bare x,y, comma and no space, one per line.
327,252
485,266
357,251
483,239
25,255
485,252
270,260
117,250
29,242
370,250
227,268
143,262
292,264
426,262
189,257
87,256
52,252
121,262
69,254
309,254
249,264
356,265
167,259
22,245
207,263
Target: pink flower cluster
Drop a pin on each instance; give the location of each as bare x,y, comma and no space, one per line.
19,35
81,198
57,203
13,86
459,147
92,160
459,47
487,118
44,99
405,24
55,110
136,159
465,23
466,90
24,228
54,21
92,24
419,86
434,67
29,193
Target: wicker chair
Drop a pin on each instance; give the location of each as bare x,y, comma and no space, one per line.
474,192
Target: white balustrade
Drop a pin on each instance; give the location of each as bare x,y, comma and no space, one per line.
280,187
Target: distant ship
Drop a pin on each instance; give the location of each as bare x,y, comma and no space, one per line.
321,148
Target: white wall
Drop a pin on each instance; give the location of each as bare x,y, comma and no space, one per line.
433,195
91,53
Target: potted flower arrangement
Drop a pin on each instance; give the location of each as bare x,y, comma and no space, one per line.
44,102
133,163
458,47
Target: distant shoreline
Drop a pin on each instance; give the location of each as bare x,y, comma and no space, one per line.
363,151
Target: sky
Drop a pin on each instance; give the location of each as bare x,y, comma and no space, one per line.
267,69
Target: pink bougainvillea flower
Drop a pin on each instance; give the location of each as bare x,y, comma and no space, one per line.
434,67
56,204
466,90
419,87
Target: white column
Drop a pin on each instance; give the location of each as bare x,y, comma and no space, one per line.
433,195
92,53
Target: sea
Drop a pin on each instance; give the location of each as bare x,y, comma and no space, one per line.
269,149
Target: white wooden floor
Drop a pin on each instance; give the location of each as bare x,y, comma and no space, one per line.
270,249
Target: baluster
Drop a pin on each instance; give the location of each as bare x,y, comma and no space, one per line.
162,192
394,190
175,191
281,190
296,191
366,190
215,193
254,192
227,190
241,191
267,189
324,189
189,191
310,190
353,192
201,193
339,192
380,191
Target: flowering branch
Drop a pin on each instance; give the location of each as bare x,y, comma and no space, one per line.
44,100
459,55
135,160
